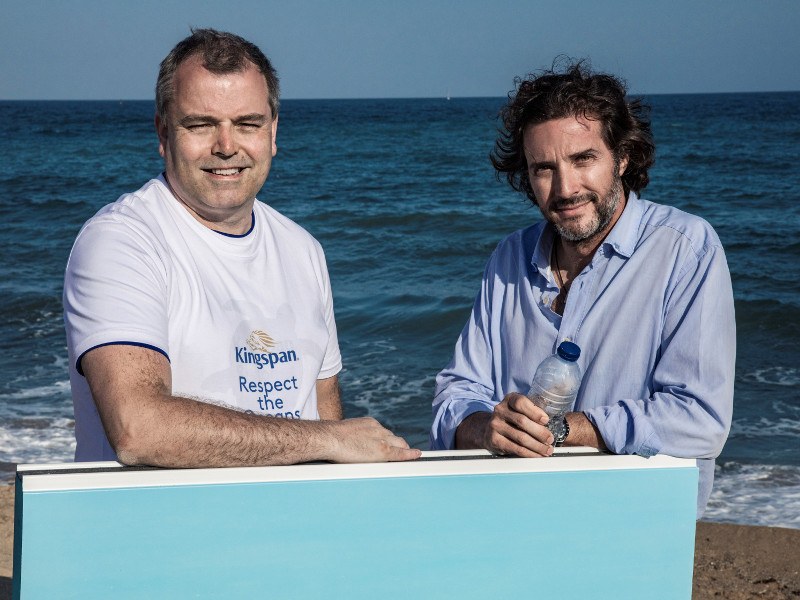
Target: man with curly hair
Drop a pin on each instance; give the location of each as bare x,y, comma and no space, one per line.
642,288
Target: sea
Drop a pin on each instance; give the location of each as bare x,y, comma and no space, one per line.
401,194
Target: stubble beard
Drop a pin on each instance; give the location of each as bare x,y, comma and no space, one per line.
604,212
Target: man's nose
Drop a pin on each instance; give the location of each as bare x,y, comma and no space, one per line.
225,142
567,183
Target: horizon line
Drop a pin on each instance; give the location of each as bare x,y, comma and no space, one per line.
444,98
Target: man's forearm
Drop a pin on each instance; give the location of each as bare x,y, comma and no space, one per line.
182,432
582,432
470,433
195,434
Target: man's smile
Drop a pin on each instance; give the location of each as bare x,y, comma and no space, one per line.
228,172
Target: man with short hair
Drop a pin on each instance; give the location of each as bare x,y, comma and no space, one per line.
199,320
643,289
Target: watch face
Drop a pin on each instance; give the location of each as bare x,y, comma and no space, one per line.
560,429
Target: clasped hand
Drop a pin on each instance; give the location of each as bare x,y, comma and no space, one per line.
517,426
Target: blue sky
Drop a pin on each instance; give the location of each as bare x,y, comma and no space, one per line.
110,49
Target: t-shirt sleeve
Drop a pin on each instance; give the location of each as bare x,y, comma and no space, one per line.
114,290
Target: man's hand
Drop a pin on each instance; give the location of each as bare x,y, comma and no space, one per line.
517,426
366,440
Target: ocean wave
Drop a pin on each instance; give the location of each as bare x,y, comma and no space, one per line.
23,441
382,393
369,350
780,376
766,428
413,323
756,495
752,309
378,386
57,388
744,244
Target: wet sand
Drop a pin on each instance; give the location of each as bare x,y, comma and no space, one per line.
732,562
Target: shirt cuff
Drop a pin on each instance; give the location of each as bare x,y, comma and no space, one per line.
625,429
443,432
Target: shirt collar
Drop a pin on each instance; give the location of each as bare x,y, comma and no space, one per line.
623,237
541,252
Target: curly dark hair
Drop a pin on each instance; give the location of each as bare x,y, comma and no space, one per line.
574,91
222,53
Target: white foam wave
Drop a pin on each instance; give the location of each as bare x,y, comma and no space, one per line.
382,394
37,440
377,390
783,376
376,349
398,403
756,495
764,427
57,388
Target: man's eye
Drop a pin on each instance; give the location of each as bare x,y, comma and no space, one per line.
249,125
198,126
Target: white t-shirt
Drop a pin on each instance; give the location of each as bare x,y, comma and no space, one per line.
246,321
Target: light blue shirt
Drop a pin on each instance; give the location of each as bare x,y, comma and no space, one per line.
653,315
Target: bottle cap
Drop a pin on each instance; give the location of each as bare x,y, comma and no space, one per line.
569,351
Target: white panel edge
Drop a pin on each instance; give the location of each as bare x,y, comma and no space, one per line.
561,462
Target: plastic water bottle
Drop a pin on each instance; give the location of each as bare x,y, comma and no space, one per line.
555,385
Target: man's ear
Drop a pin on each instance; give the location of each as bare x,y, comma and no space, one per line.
161,131
274,136
623,164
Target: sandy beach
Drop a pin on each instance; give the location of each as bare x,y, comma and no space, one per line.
732,562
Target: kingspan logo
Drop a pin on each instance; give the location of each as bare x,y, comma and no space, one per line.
259,341
258,351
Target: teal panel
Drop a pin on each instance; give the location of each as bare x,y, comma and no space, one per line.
15,579
601,534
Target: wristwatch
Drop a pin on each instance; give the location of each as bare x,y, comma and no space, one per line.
564,430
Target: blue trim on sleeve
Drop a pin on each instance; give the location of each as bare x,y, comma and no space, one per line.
140,345
241,235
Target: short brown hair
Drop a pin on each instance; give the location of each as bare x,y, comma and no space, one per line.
222,52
